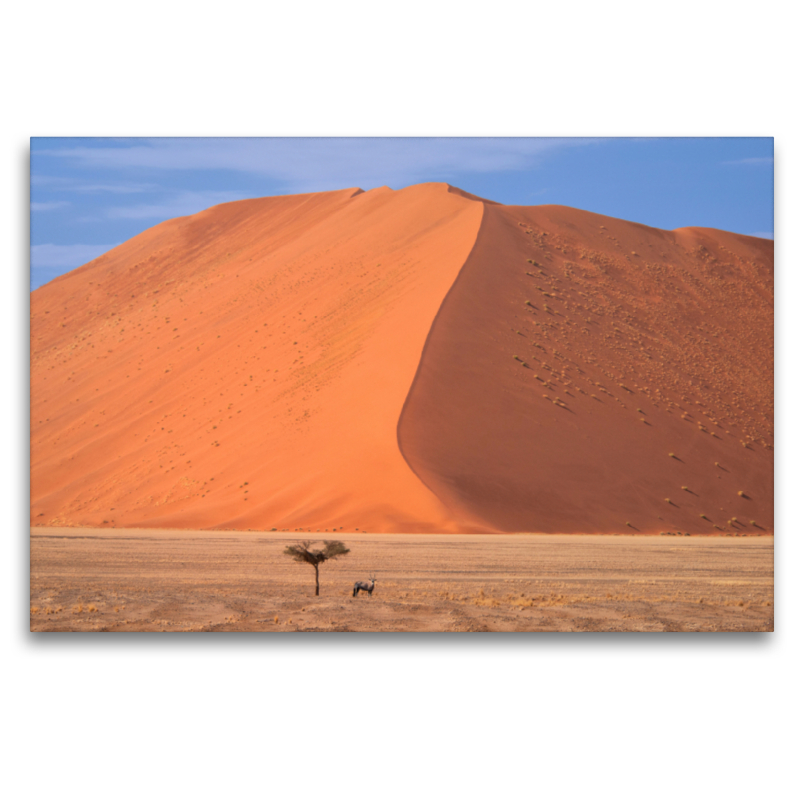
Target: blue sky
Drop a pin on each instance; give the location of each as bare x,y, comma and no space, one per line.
88,195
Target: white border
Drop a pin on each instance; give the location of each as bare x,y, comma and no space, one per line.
564,716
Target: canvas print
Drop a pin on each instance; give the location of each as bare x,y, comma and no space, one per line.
445,385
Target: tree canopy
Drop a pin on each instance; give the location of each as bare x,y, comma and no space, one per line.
303,553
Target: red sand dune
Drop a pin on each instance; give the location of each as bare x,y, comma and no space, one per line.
347,360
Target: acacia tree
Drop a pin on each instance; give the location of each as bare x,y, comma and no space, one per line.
302,552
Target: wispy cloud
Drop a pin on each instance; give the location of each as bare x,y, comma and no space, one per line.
180,205
66,255
56,183
50,206
49,180
759,160
115,188
320,164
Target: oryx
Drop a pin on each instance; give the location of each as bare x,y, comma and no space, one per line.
365,586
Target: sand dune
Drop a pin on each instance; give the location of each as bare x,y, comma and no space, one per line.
346,360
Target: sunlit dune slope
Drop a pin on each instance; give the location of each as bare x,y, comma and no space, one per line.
419,360
245,367
590,374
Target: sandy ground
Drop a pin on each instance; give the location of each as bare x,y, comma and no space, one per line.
174,580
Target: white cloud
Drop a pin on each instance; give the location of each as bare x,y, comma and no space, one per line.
316,164
118,188
72,185
67,256
48,180
49,206
180,205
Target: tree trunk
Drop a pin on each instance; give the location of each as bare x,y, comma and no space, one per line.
316,574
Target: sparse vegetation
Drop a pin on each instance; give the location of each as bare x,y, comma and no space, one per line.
303,553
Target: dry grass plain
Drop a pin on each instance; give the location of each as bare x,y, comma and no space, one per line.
85,579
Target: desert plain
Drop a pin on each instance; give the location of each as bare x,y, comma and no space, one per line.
180,580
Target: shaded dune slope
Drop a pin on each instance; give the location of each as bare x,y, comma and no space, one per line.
574,353
245,367
420,360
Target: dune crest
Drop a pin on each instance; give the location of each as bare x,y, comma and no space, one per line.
413,360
